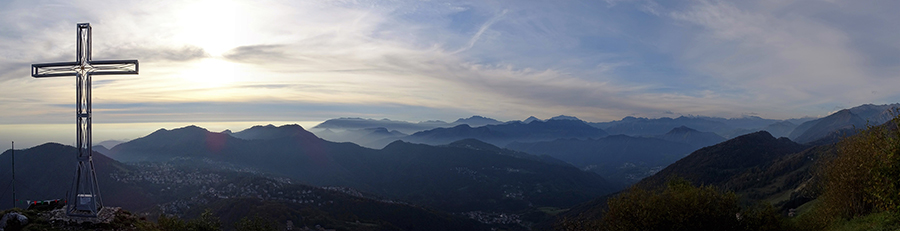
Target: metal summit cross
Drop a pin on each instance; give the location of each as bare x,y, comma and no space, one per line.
85,199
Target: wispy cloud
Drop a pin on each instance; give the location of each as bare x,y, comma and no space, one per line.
256,53
157,54
481,30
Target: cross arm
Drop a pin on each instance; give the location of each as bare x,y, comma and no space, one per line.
114,67
53,69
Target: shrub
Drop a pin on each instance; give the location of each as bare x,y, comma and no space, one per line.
861,178
167,223
681,206
206,222
256,223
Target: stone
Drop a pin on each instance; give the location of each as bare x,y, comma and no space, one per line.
21,219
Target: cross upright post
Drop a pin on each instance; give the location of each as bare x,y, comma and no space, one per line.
84,200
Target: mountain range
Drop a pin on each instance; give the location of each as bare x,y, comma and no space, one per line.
502,134
728,128
401,126
520,172
757,166
460,177
377,133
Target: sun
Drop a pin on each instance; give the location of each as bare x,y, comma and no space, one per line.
211,25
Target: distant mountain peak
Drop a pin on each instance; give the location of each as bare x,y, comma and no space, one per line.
564,117
531,119
378,129
110,143
263,126
757,135
49,145
681,129
474,144
271,132
843,112
461,126
295,126
384,132
396,145
875,106
190,128
820,128
695,138
477,120
632,119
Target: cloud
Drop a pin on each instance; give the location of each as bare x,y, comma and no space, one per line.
256,53
612,3
269,86
379,55
154,54
378,69
777,54
242,111
652,7
481,30
595,60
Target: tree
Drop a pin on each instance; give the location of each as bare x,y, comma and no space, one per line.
679,206
167,223
861,178
206,222
256,223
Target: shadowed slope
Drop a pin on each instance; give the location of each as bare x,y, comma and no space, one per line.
46,172
718,163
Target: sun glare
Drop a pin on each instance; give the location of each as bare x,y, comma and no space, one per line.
212,25
212,72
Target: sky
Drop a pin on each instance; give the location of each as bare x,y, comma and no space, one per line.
225,64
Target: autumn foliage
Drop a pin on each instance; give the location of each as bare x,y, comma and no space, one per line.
863,177
680,206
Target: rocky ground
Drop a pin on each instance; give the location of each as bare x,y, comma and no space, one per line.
106,215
